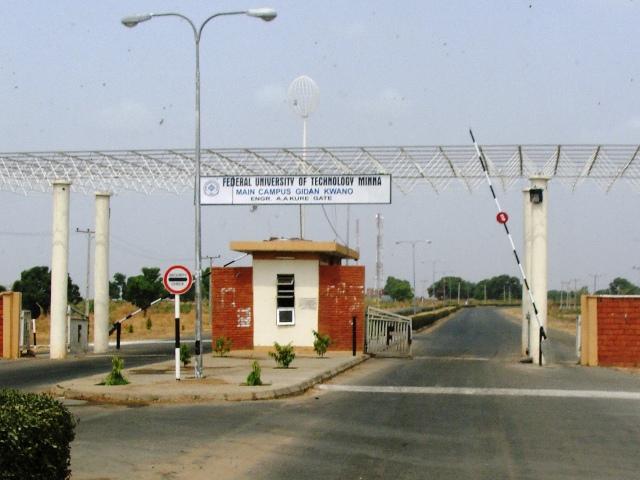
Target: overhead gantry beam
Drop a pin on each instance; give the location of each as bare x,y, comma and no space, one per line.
172,171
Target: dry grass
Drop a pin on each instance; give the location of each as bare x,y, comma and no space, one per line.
157,323
561,321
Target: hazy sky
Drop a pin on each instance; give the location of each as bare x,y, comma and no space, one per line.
390,73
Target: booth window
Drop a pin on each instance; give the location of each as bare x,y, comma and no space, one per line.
286,300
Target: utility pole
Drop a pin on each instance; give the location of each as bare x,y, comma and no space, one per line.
86,295
595,277
575,291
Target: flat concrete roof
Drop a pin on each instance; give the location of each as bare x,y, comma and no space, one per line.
332,249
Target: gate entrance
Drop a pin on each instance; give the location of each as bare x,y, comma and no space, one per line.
387,334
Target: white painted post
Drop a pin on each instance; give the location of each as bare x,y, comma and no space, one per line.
59,269
528,314
539,265
177,328
101,274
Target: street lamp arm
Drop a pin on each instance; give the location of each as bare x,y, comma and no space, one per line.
266,14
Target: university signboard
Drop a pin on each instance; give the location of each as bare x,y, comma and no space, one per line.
295,189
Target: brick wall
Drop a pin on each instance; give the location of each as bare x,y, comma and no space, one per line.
341,297
232,302
618,331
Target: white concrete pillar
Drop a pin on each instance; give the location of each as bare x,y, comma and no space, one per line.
538,264
527,308
101,274
59,269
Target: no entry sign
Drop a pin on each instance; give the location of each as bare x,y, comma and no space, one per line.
177,279
502,217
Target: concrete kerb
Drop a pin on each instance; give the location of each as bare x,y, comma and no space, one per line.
223,381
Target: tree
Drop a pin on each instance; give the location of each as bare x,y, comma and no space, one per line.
73,292
398,290
497,288
117,287
143,289
622,286
451,285
2,288
35,285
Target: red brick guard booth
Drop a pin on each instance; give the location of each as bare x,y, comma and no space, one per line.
610,330
327,295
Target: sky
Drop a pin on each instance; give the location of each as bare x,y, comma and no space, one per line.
72,77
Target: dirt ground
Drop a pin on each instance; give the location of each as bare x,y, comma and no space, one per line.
564,321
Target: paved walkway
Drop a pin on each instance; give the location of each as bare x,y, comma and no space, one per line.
224,379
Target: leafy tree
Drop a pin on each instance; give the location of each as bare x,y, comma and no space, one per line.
73,292
3,288
497,287
143,289
398,290
622,286
117,287
35,285
451,284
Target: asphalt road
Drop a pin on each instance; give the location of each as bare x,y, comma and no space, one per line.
463,407
35,374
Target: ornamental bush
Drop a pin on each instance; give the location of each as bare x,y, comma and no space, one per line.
36,431
115,376
283,356
253,379
222,346
321,343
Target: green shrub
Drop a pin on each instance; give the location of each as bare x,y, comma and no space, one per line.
284,355
35,436
222,345
115,376
130,328
322,343
254,377
425,319
185,354
148,324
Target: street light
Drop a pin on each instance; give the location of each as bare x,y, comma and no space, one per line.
266,14
413,248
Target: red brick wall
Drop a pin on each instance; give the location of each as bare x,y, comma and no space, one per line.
619,331
1,324
232,302
341,297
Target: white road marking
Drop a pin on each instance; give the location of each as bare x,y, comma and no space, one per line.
507,392
468,359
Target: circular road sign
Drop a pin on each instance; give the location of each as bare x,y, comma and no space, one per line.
502,217
177,279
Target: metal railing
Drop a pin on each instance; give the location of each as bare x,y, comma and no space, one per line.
387,333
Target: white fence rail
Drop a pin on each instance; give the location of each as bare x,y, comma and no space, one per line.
387,333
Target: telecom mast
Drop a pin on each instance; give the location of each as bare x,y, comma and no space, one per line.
379,269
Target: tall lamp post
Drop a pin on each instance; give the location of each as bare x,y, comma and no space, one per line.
413,249
266,14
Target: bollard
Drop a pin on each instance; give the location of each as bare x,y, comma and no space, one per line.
353,334
118,331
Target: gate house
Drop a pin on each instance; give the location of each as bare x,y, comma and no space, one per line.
292,288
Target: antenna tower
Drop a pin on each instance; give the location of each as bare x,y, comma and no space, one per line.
379,266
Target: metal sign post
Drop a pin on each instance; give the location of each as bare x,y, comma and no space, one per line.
177,280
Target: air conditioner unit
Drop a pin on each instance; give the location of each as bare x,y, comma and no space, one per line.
285,316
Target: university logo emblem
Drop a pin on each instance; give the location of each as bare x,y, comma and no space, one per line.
211,188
